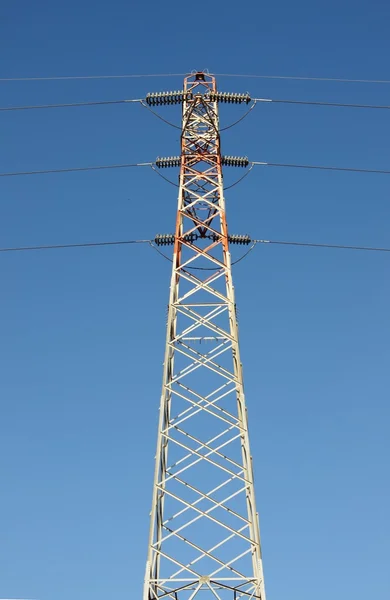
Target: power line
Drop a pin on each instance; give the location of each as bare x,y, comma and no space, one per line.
128,242
67,105
240,75
76,169
315,245
150,164
82,245
79,77
321,168
299,78
139,100
320,103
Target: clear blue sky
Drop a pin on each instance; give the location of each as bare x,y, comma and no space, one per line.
82,331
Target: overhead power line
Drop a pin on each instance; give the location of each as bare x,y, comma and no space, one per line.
75,169
299,78
67,105
129,242
82,245
321,168
140,100
315,245
240,75
320,103
80,77
150,164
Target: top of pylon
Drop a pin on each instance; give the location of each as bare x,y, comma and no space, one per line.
197,81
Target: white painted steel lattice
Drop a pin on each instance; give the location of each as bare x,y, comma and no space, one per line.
204,534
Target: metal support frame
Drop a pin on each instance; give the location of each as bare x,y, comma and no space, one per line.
204,529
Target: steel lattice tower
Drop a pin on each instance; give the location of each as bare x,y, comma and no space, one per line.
204,531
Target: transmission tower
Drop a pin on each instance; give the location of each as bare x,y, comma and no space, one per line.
204,529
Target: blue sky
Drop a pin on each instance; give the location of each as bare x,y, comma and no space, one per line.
82,333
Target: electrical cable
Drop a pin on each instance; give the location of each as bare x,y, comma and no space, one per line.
315,245
150,164
320,103
240,119
298,78
159,116
82,245
240,75
141,101
207,268
67,105
159,252
163,177
321,168
79,77
228,187
75,169
239,180
246,253
150,242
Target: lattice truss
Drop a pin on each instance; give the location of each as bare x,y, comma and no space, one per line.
204,534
